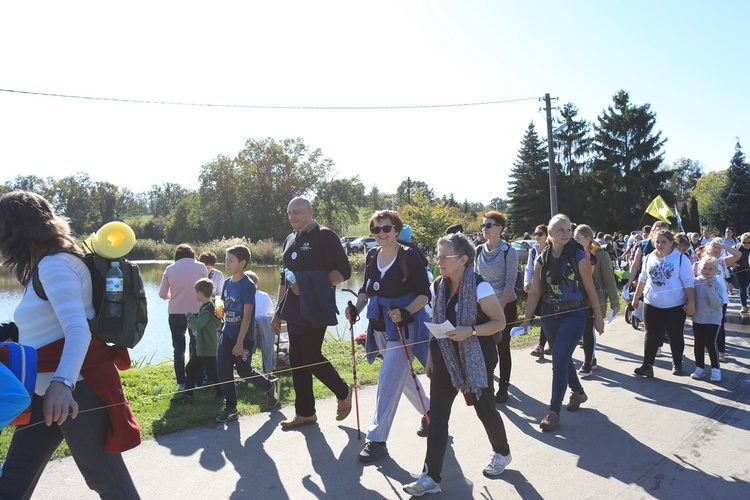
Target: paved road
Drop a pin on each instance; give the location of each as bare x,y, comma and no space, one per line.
669,437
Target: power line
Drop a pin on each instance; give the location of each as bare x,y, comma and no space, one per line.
265,106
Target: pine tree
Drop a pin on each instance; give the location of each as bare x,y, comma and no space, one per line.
573,150
695,218
625,175
528,192
734,200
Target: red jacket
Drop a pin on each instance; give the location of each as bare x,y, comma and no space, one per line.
100,372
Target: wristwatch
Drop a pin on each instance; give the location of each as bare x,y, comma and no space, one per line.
473,331
67,383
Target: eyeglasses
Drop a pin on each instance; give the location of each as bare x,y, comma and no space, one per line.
386,229
488,225
539,233
443,258
746,242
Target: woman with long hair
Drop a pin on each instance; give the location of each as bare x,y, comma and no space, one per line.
497,262
564,283
464,361
78,395
604,276
667,286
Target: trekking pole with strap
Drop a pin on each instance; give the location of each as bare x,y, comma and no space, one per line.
353,320
411,369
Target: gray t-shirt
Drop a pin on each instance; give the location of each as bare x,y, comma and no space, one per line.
499,267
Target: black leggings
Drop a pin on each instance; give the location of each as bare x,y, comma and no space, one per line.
658,321
721,338
503,347
705,338
589,339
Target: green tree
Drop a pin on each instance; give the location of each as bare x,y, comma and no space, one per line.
498,204
73,197
694,216
337,201
529,185
408,189
111,202
375,199
165,198
31,183
685,216
734,200
428,219
185,222
683,176
573,151
706,193
222,208
625,174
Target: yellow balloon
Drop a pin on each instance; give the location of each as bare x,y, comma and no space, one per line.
113,240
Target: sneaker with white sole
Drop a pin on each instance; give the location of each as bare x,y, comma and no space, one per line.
698,374
373,450
497,464
715,375
423,485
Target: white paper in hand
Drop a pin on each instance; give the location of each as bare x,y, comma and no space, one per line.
440,331
625,293
518,330
611,317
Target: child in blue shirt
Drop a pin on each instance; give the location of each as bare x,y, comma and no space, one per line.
237,337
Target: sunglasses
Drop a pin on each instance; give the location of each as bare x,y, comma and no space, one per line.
488,225
386,229
539,233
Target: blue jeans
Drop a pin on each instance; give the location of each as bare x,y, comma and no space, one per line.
178,326
563,330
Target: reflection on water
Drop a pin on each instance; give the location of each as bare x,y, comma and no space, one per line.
157,343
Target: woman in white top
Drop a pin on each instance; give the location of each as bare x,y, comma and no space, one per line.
76,371
666,284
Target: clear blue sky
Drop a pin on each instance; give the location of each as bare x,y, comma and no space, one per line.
688,59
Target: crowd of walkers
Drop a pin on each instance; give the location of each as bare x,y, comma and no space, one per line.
569,278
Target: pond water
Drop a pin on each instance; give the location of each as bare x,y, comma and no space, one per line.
156,344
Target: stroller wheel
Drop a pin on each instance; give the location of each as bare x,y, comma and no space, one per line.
636,323
629,314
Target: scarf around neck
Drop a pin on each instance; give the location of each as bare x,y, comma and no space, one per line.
466,367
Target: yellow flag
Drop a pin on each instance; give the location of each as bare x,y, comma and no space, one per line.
659,209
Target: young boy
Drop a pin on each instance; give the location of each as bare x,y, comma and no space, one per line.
238,336
204,326
264,337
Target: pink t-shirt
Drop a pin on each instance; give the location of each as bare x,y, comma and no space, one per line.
177,285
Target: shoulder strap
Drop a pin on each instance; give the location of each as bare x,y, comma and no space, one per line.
36,283
403,264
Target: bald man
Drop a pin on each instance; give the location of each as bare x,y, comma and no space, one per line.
313,252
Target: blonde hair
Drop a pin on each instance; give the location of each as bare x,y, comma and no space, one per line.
709,260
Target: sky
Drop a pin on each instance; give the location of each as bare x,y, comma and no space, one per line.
687,59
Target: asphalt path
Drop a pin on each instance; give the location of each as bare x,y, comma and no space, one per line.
666,437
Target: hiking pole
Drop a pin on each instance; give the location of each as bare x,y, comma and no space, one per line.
352,320
411,368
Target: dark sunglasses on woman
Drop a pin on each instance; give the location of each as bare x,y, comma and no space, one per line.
489,225
376,229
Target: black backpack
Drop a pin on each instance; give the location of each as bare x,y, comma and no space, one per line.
569,254
128,329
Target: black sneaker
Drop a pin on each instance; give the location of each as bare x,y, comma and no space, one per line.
585,370
372,451
502,393
423,427
593,363
272,394
677,370
644,370
227,415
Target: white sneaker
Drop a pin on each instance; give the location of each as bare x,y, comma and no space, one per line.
698,374
715,375
424,484
497,464
658,351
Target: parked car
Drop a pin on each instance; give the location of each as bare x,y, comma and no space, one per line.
346,242
363,244
523,247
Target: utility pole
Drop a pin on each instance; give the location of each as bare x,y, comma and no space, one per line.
551,157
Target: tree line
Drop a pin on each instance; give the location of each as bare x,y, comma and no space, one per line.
607,173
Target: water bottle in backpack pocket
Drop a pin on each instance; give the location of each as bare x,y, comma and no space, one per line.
113,292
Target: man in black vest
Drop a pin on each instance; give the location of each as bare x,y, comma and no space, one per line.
307,302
